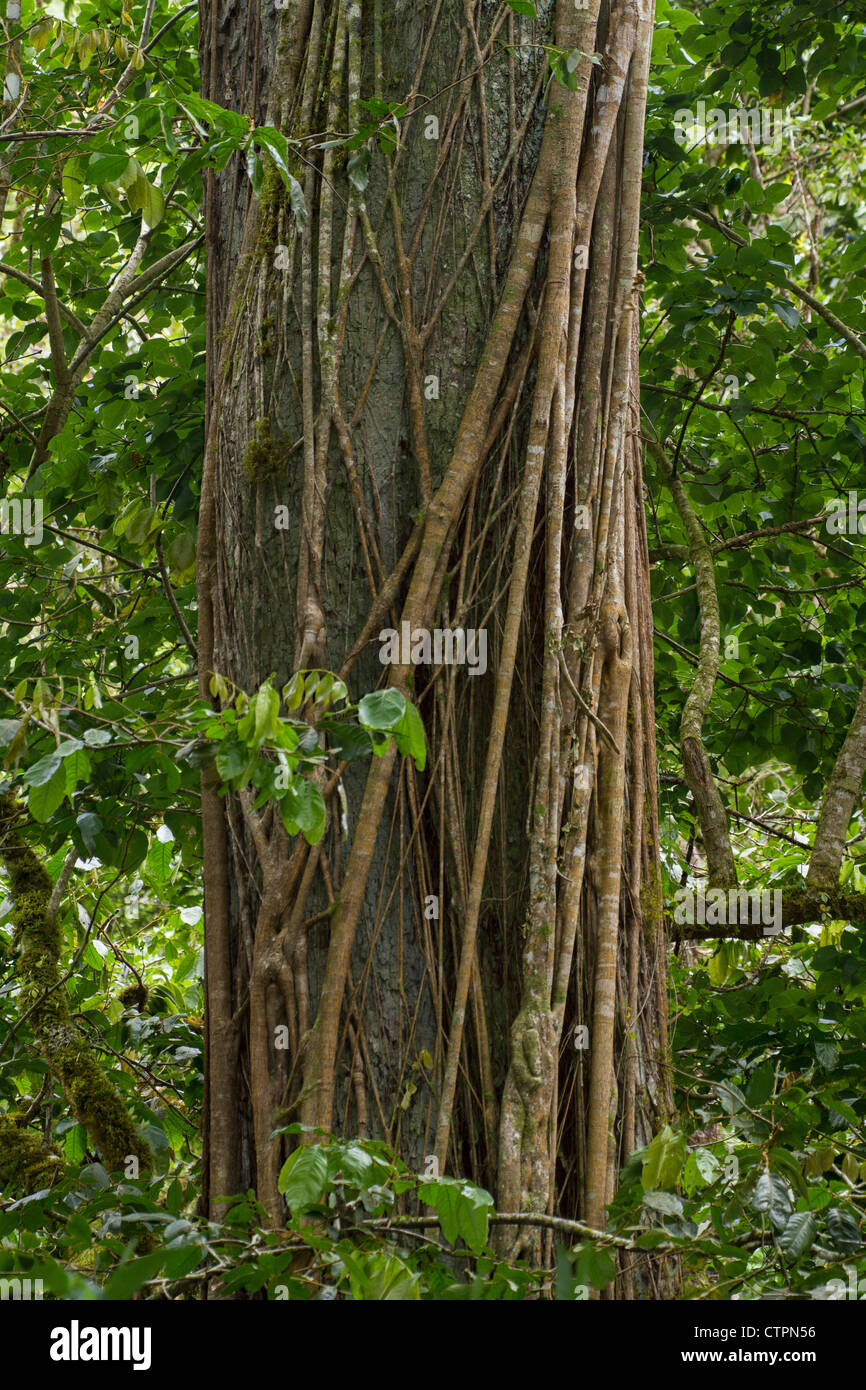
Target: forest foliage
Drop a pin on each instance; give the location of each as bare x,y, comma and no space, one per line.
759,1183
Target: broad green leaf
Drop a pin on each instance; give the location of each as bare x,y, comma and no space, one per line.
787,313
143,524
43,771
231,759
266,709
129,1276
463,1210
701,1168
349,741
409,736
303,809
382,709
668,1203
44,799
293,693
159,858
153,205
772,1197
180,556
843,1230
798,1234
90,825
106,167
381,1277
595,1266
302,1178
663,1160
76,769
719,966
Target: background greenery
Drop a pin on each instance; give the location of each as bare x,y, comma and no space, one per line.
760,1184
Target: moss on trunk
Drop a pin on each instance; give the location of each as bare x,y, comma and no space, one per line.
92,1098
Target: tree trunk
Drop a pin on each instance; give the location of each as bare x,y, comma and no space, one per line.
436,373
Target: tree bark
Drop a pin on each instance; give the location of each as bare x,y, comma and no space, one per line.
437,375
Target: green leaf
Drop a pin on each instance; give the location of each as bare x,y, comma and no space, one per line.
153,205
380,1276
382,709
159,857
43,771
129,1276
463,1210
787,313
358,170
106,167
97,737
76,768
44,799
73,181
409,736
798,1234
142,526
303,809
776,193
663,1160
231,759
180,556
266,710
348,741
843,1230
182,1261
293,693
701,1168
719,967
522,7
827,1054
302,1178
90,826
731,1097
595,1266
772,1197
668,1203
199,109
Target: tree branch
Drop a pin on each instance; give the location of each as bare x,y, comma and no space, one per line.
696,764
843,790
831,319
32,284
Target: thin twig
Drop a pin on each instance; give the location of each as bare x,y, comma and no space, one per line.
175,607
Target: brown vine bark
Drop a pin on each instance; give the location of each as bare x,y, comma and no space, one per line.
437,375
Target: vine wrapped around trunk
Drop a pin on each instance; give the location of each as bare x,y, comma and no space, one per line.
433,378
